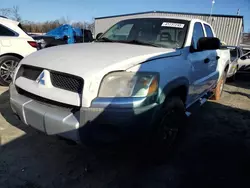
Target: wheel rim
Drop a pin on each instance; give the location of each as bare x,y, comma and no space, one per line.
6,69
169,132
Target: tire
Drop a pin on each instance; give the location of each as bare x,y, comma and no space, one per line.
167,129
219,88
8,63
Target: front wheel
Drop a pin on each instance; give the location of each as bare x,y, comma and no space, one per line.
8,64
172,119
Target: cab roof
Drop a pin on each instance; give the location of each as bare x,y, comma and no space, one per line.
169,17
7,21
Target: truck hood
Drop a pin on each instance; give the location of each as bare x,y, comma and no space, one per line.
91,58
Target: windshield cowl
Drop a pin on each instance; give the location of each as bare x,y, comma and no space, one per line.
136,42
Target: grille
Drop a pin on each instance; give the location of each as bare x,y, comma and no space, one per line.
59,80
45,101
29,72
66,81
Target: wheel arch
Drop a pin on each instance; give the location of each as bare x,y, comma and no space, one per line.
226,68
13,54
178,87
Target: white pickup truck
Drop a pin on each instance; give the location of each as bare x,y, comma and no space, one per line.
142,75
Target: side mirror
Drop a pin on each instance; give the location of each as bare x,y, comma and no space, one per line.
98,35
243,58
208,43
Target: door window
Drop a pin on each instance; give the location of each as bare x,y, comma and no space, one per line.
208,31
197,34
5,31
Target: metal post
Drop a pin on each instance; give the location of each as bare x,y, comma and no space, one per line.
211,12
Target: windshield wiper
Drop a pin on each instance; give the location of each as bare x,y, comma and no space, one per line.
140,43
104,39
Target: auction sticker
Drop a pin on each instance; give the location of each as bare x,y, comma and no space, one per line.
169,24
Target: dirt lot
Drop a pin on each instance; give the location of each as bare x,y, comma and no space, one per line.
215,152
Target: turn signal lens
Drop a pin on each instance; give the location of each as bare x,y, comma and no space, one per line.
153,87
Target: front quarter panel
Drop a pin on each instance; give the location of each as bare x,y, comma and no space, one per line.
170,69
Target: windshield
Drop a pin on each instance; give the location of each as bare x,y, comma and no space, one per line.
158,32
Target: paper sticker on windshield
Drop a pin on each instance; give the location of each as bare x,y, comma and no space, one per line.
169,24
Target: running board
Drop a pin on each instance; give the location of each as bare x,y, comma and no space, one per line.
190,110
203,100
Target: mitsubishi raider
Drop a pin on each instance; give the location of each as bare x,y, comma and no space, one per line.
141,75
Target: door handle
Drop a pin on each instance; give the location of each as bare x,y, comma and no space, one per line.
217,57
207,60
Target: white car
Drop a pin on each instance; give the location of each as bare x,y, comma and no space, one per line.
15,44
235,54
244,61
142,75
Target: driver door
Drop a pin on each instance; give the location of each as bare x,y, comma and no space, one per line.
203,66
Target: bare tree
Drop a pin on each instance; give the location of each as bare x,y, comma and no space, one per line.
5,12
78,24
16,14
64,20
90,26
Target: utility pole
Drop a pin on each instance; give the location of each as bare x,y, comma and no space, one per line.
238,12
211,12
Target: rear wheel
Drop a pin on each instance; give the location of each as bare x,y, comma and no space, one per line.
8,64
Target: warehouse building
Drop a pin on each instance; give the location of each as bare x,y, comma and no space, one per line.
228,28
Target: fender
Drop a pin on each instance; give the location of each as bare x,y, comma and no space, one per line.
223,69
168,88
172,85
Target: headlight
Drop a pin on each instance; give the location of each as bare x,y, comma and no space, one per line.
125,84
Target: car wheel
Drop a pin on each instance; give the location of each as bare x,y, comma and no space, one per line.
172,120
219,88
8,64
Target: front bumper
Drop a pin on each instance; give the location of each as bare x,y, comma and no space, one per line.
104,124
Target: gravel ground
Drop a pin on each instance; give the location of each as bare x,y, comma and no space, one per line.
213,152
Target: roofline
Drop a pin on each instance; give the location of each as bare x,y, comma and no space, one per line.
9,20
184,13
